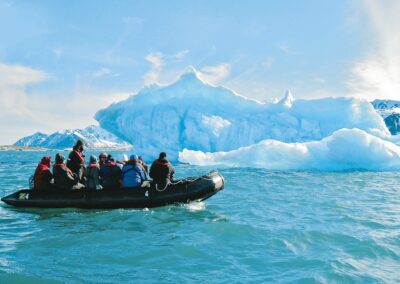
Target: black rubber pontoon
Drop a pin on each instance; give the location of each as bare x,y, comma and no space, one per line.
181,191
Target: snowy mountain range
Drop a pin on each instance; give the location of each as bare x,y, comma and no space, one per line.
390,112
193,114
94,137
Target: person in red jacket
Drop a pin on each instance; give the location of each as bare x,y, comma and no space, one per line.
42,177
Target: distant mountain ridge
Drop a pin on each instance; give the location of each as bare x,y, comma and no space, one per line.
386,104
94,137
390,112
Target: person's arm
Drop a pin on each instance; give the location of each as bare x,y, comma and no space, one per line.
172,171
140,171
119,176
49,176
70,176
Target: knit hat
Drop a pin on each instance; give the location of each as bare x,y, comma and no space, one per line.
93,159
46,161
103,155
59,158
162,155
134,158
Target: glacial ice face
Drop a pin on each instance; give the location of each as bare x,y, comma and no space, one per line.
195,115
344,149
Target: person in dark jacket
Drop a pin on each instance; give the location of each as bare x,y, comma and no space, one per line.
76,160
92,175
132,173
43,176
110,174
161,171
64,178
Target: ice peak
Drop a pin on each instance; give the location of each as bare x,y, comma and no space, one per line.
287,100
191,76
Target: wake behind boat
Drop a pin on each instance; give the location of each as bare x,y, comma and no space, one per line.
180,191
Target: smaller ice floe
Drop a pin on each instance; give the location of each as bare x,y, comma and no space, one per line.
345,149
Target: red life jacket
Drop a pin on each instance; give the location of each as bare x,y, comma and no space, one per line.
62,164
80,156
162,163
42,177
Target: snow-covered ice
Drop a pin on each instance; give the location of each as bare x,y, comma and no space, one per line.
344,149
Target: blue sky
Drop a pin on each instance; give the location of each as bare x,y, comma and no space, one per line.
60,61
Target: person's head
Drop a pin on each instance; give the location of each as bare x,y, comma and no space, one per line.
93,159
59,158
134,158
110,159
103,157
46,160
162,155
79,145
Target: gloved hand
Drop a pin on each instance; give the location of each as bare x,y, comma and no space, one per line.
146,183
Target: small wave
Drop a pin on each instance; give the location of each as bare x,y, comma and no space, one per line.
195,206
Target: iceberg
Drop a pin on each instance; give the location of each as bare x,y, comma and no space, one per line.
343,150
192,114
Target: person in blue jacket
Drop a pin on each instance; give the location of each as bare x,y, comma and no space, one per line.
110,174
132,173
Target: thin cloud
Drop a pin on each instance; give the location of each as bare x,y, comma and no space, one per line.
156,60
46,112
377,75
267,63
215,74
15,102
20,76
285,48
102,72
181,54
58,51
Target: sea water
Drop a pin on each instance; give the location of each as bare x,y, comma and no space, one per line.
265,226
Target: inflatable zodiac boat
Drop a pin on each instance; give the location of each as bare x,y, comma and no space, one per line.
180,191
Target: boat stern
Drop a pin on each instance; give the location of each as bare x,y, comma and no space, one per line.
218,181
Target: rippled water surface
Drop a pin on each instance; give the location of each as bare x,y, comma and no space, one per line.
264,227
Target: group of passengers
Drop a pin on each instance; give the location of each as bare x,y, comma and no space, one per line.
103,173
